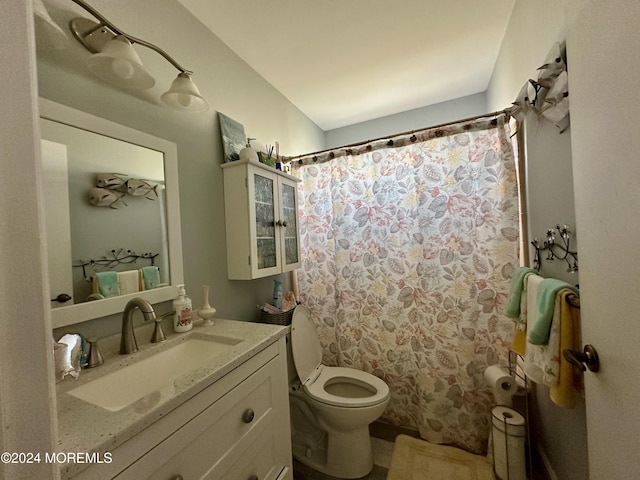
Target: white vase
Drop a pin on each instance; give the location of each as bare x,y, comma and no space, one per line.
207,311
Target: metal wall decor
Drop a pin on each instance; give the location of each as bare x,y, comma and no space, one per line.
555,250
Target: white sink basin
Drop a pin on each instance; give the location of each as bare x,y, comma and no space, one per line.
121,388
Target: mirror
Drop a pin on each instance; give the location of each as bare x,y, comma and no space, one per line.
130,223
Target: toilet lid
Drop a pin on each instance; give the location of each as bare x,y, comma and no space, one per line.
305,343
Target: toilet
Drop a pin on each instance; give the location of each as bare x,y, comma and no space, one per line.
331,407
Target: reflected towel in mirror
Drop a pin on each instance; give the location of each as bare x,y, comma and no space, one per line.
106,283
150,277
129,281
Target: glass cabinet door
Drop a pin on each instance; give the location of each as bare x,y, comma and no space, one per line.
265,221
290,224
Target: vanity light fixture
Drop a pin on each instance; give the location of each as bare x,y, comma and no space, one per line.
56,35
115,60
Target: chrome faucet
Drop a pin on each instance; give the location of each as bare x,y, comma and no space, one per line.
128,342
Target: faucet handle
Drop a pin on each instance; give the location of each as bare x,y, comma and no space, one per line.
158,334
95,358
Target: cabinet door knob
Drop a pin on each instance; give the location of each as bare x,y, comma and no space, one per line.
63,297
247,416
284,223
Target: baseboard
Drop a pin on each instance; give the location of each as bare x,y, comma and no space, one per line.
548,471
386,431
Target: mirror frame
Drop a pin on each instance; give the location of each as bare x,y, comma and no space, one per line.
81,312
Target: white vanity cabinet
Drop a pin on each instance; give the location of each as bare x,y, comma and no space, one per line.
236,428
261,216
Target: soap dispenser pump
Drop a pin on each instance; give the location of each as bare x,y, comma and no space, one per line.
182,319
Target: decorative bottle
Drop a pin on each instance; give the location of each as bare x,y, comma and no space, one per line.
207,311
182,320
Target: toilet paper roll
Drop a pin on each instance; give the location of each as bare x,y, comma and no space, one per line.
502,384
508,434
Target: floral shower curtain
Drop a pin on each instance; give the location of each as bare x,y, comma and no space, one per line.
408,248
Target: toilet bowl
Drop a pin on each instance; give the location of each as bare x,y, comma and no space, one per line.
331,407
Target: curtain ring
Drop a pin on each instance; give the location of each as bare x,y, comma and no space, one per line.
413,138
332,155
390,143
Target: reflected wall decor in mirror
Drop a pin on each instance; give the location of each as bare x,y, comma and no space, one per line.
112,214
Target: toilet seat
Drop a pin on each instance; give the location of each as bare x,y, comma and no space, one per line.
364,383
358,388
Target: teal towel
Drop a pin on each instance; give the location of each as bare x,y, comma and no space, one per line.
150,277
108,284
517,283
538,332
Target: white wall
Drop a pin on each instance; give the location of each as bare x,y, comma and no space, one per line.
416,119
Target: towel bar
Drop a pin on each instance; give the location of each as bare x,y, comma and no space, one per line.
573,300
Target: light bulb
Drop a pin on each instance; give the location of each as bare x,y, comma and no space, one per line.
184,99
122,68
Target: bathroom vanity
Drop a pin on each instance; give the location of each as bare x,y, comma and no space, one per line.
218,409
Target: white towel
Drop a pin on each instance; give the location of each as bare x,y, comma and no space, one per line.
129,281
67,352
542,362
532,365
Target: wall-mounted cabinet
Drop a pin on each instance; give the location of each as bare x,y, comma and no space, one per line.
261,216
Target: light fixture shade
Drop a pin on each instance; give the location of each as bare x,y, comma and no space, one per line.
119,63
184,95
55,34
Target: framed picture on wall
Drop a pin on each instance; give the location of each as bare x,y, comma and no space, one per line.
233,137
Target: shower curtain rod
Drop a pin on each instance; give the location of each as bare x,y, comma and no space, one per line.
506,111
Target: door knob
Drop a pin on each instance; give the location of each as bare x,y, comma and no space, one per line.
588,356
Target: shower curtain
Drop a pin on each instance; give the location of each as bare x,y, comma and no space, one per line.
408,246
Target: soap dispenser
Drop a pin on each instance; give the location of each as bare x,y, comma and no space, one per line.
182,319
277,294
248,153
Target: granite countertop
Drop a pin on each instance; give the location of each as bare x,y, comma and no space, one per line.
84,427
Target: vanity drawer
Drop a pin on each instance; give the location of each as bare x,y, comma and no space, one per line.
260,460
212,441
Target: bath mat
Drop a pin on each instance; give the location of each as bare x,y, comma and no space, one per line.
415,459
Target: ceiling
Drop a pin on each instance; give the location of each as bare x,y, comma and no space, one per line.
347,61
